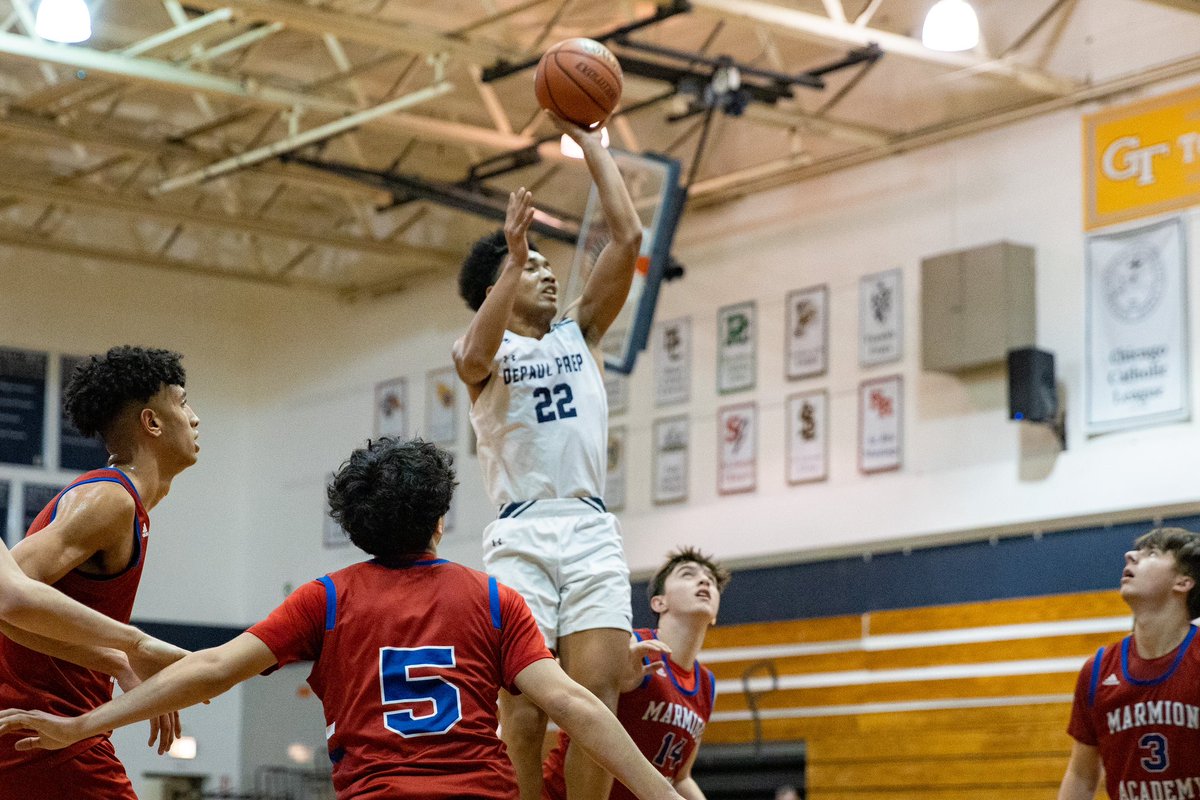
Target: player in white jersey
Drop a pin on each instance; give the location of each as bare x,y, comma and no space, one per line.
541,418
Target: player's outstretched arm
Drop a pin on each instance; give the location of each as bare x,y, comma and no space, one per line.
1083,773
473,353
34,607
590,724
194,679
608,284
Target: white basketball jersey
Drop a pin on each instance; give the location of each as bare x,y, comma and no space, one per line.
542,419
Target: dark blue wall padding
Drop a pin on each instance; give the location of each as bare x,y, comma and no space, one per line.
1081,560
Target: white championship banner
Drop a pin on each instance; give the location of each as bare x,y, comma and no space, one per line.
673,361
1136,351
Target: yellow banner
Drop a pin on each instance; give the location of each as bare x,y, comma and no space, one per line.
1142,159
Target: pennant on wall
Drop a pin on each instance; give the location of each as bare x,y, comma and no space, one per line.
671,460
737,448
881,414
808,440
807,332
673,361
736,345
1136,353
880,314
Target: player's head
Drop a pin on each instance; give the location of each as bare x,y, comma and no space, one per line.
690,582
538,292
1164,562
390,496
133,397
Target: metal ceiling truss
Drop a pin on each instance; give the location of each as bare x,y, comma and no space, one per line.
827,30
791,169
79,196
473,198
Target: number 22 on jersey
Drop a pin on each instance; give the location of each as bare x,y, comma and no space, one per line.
398,685
554,403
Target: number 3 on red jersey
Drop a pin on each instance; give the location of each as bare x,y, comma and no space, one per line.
1155,745
399,686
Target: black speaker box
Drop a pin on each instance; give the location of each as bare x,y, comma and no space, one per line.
1032,394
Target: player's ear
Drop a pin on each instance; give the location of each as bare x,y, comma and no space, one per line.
658,604
1184,583
149,422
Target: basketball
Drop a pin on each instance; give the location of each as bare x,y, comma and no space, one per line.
579,80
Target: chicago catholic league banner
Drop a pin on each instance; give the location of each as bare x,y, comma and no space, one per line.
1136,351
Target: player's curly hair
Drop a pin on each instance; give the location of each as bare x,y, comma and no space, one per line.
389,496
102,386
687,555
481,267
1185,546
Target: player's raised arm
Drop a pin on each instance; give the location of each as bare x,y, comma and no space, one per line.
608,285
590,724
473,353
198,677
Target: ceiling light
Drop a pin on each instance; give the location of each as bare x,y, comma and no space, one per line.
572,150
951,25
66,21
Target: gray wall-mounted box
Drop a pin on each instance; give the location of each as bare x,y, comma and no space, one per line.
976,305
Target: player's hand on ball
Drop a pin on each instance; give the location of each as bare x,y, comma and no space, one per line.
50,732
576,132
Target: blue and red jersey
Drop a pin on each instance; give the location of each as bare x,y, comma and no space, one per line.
665,717
408,664
33,680
1144,716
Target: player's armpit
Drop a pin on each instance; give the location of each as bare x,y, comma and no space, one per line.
90,519
473,372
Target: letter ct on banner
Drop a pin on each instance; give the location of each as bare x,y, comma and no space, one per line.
1136,353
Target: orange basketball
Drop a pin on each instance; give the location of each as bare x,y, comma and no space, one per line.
579,80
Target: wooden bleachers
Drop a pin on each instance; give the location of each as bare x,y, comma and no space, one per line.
961,702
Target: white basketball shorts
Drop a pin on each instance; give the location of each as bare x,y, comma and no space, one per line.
566,559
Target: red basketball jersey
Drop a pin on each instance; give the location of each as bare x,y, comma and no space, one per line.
665,717
1144,716
32,680
409,662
